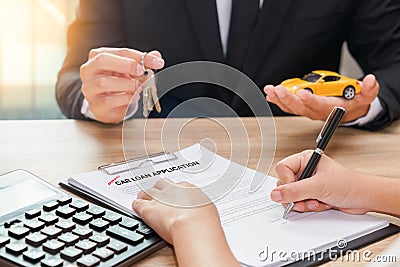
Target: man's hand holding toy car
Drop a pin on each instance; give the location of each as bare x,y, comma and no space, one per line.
317,93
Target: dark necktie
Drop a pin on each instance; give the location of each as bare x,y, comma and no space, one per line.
243,22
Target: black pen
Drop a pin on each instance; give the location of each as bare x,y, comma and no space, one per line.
331,123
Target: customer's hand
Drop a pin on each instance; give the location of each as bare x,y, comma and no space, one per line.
331,186
316,107
158,208
110,79
194,230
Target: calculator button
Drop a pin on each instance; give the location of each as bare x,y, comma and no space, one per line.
145,230
79,205
113,218
11,222
103,254
52,261
65,212
130,224
50,206
83,233
18,232
34,225
66,226
51,231
33,255
96,211
48,219
53,246
82,218
35,239
64,200
100,240
117,247
68,238
86,246
99,225
71,253
88,261
125,235
4,240
33,213
16,248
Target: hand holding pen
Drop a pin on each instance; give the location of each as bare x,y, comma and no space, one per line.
323,139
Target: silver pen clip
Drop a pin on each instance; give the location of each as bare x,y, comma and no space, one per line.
326,123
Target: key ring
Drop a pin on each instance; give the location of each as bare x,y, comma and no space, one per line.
142,62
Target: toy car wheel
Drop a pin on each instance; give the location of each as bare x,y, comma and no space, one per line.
309,90
349,92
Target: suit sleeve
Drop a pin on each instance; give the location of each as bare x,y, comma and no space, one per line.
374,41
99,23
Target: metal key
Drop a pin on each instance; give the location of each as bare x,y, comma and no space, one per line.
146,99
150,97
153,92
146,90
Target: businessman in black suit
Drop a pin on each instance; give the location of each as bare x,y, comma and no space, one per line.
268,40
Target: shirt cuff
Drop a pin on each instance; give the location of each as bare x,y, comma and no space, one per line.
133,107
374,109
86,111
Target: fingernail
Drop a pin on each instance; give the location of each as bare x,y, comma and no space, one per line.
280,93
139,69
276,196
267,89
271,95
295,208
311,206
301,95
157,63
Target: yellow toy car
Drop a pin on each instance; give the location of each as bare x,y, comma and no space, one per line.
325,83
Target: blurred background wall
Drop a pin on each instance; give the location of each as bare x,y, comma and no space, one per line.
32,49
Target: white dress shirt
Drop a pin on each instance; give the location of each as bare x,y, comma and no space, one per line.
224,10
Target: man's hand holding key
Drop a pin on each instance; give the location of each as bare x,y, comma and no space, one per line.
111,77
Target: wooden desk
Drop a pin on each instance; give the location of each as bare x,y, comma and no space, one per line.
55,149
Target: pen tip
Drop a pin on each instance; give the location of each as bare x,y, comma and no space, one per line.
287,210
284,215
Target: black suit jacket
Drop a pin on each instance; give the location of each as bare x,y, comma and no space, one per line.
292,37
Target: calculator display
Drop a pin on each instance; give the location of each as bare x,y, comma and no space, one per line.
18,191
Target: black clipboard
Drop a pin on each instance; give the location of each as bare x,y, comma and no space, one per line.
93,198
